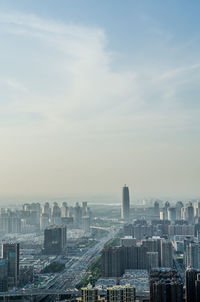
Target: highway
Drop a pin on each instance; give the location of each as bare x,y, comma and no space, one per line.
76,269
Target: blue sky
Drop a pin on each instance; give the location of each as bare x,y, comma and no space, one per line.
99,93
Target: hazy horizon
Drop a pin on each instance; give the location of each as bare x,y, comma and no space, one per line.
98,94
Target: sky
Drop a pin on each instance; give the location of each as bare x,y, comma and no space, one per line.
96,94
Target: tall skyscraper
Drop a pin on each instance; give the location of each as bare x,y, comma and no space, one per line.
125,210
11,255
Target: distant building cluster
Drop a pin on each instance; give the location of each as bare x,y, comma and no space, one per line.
34,218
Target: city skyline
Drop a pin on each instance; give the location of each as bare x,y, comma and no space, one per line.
95,95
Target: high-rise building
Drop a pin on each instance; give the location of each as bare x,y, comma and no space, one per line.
125,210
166,253
135,257
112,261
192,285
153,245
165,209
46,209
188,213
78,215
171,213
165,286
55,240
192,255
179,206
10,223
64,209
116,259
10,252
121,293
44,221
156,209
86,224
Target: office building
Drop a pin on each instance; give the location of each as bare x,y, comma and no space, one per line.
10,252
125,210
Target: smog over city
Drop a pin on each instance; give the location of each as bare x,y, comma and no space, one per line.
100,144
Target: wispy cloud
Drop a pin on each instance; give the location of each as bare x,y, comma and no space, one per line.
70,78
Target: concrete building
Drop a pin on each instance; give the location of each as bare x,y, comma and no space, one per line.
179,206
171,211
55,238
112,261
152,260
121,293
192,255
188,213
89,294
128,241
165,286
192,285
